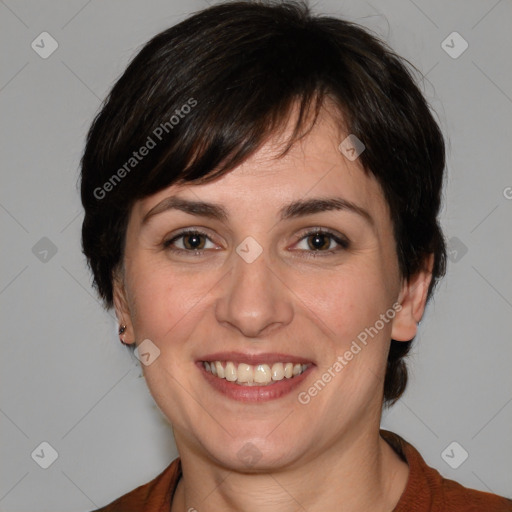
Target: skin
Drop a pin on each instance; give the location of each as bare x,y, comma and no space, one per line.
314,456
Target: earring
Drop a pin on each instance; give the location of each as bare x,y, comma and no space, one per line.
122,329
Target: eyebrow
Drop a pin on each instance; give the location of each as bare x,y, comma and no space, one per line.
292,210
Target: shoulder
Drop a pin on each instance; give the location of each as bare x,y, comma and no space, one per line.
153,496
457,497
428,491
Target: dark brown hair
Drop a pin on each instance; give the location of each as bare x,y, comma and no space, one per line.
204,95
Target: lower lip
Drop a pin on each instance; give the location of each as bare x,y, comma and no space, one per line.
254,393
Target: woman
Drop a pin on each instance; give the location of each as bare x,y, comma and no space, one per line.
261,192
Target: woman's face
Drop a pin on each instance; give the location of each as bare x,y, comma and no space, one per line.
258,288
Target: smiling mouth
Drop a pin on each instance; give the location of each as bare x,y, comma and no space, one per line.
254,375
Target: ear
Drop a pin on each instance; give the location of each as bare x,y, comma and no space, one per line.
413,298
122,309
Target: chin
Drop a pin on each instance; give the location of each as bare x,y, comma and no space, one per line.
250,454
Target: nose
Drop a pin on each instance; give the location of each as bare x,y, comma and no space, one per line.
254,300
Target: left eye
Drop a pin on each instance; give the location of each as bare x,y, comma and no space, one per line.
322,241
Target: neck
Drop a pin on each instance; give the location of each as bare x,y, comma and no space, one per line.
358,473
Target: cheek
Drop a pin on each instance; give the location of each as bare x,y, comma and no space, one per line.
162,300
173,308
347,300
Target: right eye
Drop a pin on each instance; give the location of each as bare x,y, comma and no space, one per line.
188,241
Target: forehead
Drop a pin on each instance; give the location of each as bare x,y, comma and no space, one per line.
313,167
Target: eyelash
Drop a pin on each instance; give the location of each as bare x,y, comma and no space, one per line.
341,241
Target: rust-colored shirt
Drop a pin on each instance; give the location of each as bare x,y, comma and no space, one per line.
426,489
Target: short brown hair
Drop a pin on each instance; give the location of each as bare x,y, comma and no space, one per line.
239,67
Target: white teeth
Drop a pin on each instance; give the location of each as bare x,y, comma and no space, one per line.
262,374
230,372
277,371
249,375
245,373
220,370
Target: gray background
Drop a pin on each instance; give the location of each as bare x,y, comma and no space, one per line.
65,377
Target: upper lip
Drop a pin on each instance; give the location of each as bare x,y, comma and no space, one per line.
255,359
